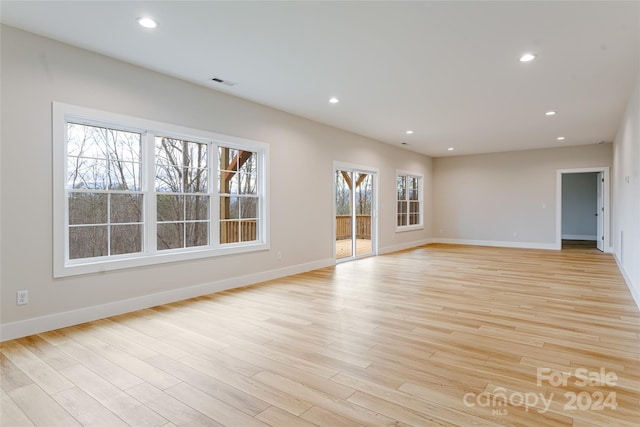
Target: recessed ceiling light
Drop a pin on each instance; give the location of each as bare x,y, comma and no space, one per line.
450,148
560,138
409,132
527,57
334,100
550,113
147,22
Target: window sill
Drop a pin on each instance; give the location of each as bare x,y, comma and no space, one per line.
104,264
409,228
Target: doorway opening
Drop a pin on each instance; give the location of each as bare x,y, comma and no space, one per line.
355,211
582,218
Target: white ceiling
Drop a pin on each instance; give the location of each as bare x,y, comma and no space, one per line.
447,70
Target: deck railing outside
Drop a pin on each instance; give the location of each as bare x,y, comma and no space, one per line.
343,227
230,231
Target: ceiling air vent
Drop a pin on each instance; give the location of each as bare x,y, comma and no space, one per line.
223,81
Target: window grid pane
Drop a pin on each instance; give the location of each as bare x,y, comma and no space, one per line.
170,235
248,230
88,208
88,242
229,232
126,208
125,239
197,233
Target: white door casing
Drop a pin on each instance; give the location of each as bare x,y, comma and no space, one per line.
600,212
603,214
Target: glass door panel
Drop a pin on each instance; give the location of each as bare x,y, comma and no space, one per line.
363,210
344,213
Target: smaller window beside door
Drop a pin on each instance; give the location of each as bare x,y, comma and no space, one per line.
409,213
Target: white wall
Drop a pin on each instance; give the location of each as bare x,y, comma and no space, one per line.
36,71
482,198
579,206
626,194
485,199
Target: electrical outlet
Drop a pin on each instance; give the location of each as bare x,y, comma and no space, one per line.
22,297
279,255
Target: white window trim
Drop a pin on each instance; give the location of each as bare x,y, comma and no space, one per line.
63,267
420,226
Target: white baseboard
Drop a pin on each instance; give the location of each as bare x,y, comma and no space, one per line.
22,328
496,243
579,237
635,290
403,246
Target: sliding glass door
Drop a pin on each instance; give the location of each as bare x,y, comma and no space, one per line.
354,210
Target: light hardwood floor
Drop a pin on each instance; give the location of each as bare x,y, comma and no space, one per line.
421,337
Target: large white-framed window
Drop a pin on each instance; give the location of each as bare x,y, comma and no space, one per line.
130,192
409,203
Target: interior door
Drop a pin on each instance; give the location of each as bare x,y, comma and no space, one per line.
354,190
600,212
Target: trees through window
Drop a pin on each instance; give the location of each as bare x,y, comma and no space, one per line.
131,192
105,196
238,195
182,193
